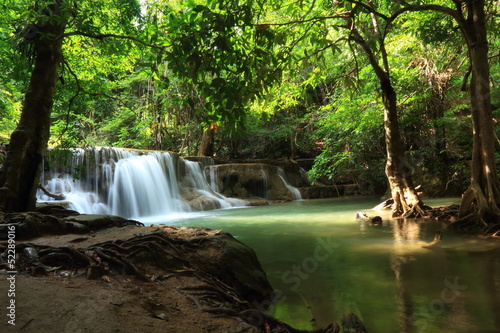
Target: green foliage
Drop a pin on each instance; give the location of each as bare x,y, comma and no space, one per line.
352,134
279,78
224,56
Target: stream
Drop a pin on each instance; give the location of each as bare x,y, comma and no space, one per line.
324,264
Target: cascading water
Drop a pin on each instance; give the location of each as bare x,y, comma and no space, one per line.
135,184
126,183
195,179
293,190
214,175
140,188
115,181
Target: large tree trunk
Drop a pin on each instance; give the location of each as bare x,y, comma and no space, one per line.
399,173
482,199
20,174
406,202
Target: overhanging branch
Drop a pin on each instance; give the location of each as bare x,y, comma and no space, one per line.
104,36
312,19
369,9
420,8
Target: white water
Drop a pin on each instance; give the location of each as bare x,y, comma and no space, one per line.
132,185
295,191
140,188
196,179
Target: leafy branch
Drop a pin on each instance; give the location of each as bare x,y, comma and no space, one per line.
104,36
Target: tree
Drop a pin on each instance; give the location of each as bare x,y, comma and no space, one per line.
21,170
481,202
229,60
406,202
215,46
42,40
360,22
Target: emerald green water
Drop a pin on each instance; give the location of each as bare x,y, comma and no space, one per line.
324,264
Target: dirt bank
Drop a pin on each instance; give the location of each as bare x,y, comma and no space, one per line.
66,301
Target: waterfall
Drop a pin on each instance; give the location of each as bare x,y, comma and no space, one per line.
264,183
113,181
126,183
293,190
196,180
142,184
214,177
140,188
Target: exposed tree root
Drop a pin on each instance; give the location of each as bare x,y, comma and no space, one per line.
405,202
151,257
57,196
478,212
414,211
56,220
403,209
265,322
444,213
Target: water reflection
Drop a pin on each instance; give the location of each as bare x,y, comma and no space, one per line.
404,231
453,296
383,274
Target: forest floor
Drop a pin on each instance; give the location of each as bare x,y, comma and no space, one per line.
63,302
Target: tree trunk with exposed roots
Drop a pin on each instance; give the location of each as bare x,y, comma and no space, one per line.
406,201
481,202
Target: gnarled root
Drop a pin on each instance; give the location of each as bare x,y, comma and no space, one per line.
478,212
268,323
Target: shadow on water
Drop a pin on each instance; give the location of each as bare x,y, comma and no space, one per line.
324,264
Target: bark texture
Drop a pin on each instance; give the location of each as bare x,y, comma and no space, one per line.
481,201
398,171
21,170
407,203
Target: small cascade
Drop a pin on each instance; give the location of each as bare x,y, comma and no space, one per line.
113,181
293,190
196,180
82,175
264,183
214,176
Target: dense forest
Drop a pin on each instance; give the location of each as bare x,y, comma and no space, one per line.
398,98
386,94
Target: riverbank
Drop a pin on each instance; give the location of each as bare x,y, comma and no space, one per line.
353,273
139,279
61,301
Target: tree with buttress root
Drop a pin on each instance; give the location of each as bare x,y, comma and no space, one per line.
480,204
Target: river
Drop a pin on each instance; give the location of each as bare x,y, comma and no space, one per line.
324,264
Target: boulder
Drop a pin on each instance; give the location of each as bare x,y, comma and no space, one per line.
250,180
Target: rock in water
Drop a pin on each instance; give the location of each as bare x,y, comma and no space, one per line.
376,221
361,216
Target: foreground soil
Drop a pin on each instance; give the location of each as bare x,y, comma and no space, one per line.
64,302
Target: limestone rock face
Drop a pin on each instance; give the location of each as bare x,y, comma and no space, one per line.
250,180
